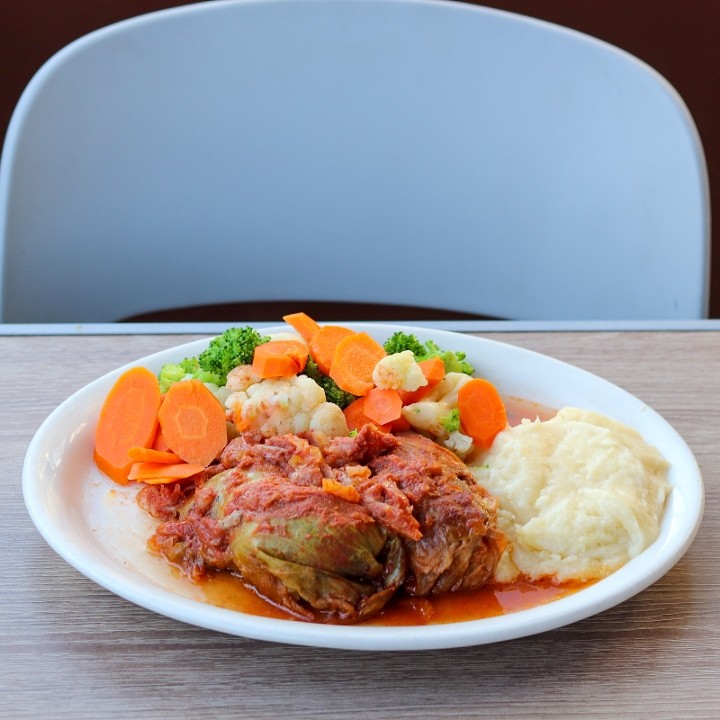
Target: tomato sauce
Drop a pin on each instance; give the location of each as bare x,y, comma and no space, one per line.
228,591
490,601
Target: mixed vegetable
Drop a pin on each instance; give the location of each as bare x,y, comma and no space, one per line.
323,379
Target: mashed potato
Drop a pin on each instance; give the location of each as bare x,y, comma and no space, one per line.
579,495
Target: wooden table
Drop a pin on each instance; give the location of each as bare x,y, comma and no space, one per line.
71,649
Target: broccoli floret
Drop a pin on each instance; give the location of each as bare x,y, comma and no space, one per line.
186,369
451,421
190,365
193,369
401,341
454,361
234,347
169,374
333,393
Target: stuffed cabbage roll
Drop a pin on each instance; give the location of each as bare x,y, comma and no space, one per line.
331,530
315,553
460,543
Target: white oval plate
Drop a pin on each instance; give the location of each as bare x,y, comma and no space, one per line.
95,525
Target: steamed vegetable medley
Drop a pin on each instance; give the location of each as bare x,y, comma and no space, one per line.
325,380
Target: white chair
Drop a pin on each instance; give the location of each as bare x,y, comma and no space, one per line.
389,151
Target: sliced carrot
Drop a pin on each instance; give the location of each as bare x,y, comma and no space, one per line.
142,454
279,358
355,416
400,425
193,422
324,342
482,411
128,418
274,366
346,492
434,371
180,470
160,443
303,324
383,405
353,363
160,481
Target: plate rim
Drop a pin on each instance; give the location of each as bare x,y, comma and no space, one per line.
621,585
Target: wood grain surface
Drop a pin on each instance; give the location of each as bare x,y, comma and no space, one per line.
71,649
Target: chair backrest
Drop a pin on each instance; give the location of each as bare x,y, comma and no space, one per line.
390,151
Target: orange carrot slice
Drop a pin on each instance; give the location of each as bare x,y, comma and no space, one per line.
482,411
160,443
303,325
161,480
193,422
346,492
383,405
400,425
178,471
355,416
142,454
324,342
279,358
353,362
128,418
434,371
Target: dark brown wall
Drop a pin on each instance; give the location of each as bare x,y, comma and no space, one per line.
677,37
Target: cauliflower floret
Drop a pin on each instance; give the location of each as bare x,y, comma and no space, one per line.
287,405
446,391
286,336
399,371
460,443
328,419
241,378
221,393
428,414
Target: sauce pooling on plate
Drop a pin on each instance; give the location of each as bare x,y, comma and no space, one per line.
228,591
